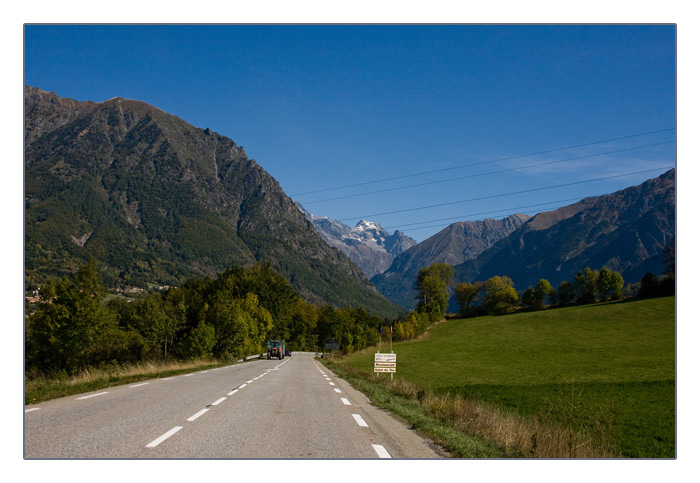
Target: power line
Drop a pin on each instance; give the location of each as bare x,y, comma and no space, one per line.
504,194
462,217
485,174
481,163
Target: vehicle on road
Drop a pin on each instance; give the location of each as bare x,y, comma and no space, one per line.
287,353
275,349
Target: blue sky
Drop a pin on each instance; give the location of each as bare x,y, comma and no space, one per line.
499,119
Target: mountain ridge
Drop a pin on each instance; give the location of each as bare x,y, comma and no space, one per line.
157,200
452,245
625,231
367,244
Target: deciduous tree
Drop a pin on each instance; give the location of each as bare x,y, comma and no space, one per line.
467,294
499,295
433,284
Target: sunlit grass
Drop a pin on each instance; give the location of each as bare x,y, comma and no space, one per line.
599,379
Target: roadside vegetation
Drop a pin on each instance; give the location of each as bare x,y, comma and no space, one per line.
40,387
579,371
591,381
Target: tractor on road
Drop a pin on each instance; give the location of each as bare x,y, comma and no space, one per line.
275,349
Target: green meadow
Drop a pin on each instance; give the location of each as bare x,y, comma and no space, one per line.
604,373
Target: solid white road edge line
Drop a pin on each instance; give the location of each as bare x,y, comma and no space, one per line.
361,422
381,451
195,416
162,438
93,395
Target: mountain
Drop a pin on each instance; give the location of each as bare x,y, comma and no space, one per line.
625,231
453,245
155,201
369,245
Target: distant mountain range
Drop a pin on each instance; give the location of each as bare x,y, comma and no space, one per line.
369,245
625,231
453,245
156,200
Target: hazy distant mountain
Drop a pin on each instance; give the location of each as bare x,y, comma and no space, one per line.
369,245
453,245
625,231
156,200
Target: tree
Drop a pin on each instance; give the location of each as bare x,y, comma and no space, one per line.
670,261
467,294
199,343
159,322
649,286
529,299
499,295
433,284
543,289
566,293
586,286
609,284
72,327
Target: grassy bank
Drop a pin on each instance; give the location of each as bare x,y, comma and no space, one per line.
588,381
38,387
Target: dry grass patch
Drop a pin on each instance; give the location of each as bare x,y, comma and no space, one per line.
518,436
41,387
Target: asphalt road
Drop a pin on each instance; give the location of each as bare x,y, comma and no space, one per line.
292,408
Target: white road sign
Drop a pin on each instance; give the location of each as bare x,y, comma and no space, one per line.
378,357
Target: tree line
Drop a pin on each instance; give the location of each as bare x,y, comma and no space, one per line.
497,295
77,324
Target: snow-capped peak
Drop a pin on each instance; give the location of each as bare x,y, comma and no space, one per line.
369,225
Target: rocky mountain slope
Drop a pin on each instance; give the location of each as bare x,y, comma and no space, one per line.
156,200
453,245
625,231
369,245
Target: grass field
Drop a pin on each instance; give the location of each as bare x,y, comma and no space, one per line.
604,374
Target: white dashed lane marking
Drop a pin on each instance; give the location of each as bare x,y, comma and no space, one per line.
218,401
137,385
381,451
195,416
337,390
93,395
30,410
162,438
345,401
361,422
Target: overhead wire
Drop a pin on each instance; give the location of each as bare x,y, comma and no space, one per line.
422,173
485,174
464,217
406,210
